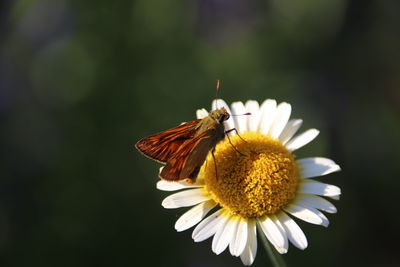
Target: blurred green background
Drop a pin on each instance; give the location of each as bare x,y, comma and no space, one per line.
82,81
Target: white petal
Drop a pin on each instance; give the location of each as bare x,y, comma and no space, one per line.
273,233
160,169
194,215
201,113
315,202
228,124
267,110
240,120
223,236
304,214
290,129
234,234
282,116
285,247
312,167
293,231
325,221
238,243
173,186
302,139
309,186
253,120
334,197
249,253
185,198
208,226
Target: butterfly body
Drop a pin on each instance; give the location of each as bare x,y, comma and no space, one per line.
183,149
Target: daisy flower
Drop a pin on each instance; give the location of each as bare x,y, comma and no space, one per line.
264,184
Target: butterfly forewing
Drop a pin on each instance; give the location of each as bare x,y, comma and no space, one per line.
162,146
199,153
187,161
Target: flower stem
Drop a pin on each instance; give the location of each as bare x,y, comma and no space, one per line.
274,256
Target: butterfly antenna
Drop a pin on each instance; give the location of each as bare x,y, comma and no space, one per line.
216,93
244,114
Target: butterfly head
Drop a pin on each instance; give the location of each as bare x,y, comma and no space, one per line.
220,115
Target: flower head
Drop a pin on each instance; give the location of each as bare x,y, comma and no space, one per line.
255,179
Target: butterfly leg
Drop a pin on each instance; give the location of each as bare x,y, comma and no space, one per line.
215,164
234,129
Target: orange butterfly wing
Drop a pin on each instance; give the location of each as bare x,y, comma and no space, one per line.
162,146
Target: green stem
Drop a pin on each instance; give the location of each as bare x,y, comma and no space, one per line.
275,257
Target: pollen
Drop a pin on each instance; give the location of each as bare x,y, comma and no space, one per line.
252,176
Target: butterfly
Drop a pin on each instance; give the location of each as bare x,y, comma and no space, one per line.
184,149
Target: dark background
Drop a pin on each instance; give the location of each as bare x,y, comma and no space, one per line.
82,81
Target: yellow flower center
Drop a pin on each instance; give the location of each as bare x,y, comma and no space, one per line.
259,180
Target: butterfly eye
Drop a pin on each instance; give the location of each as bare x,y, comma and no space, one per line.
223,118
